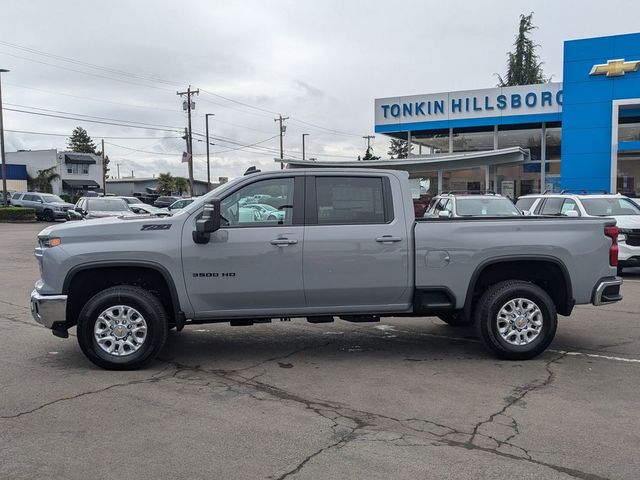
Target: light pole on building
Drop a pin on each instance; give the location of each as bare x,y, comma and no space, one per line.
206,121
303,135
4,161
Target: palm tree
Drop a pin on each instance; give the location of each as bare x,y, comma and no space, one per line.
181,185
42,183
166,184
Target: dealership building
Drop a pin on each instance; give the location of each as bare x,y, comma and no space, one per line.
582,133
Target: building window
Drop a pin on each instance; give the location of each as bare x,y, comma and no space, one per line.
78,169
433,142
523,136
517,180
472,179
473,140
553,142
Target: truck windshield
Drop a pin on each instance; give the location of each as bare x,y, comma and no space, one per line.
490,207
107,205
604,207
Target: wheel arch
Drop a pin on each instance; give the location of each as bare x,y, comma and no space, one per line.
110,273
510,267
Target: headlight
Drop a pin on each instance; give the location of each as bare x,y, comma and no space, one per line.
57,209
49,242
622,237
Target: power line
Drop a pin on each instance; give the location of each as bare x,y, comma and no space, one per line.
88,120
90,116
96,136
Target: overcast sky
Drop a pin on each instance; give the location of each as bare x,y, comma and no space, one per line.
319,62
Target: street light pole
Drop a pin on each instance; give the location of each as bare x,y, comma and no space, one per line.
4,161
206,121
303,135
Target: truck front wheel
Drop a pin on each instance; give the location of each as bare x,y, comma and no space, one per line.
122,328
516,320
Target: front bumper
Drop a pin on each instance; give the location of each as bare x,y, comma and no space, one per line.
48,310
607,291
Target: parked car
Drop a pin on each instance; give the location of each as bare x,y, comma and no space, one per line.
100,207
125,282
143,208
624,210
267,212
48,207
164,201
457,205
180,204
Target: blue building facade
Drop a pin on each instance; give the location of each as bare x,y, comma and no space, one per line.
583,133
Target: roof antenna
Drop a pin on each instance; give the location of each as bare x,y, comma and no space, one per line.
252,169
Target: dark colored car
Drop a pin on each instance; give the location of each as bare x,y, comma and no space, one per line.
100,207
165,201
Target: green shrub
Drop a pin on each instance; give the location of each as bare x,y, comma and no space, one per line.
17,214
66,197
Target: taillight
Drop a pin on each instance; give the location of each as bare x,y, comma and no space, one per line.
612,232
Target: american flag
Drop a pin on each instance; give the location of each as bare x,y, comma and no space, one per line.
186,157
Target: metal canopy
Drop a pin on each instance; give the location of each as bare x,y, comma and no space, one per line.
80,184
79,159
427,163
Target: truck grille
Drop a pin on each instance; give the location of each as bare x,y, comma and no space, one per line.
633,237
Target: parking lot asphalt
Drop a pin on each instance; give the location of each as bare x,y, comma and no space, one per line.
402,399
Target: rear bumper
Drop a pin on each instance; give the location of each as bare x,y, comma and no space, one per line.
48,309
607,291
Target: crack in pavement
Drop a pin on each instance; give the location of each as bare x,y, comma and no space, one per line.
351,424
154,378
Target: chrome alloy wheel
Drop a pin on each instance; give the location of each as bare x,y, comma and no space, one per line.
519,321
120,330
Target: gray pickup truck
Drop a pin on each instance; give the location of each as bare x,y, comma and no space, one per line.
346,244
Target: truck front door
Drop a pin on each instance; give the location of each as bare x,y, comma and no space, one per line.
252,266
356,243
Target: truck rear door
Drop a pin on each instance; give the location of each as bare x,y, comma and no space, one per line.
356,248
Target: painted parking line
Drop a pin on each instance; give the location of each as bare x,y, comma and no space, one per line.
595,355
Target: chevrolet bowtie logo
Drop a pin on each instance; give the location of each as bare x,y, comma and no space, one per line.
615,68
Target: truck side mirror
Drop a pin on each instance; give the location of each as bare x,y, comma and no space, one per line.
444,214
208,223
571,213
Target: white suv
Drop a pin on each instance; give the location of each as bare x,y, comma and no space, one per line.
625,211
468,204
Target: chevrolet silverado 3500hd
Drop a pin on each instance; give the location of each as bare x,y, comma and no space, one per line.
346,244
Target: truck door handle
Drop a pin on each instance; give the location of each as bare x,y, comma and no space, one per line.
388,239
281,242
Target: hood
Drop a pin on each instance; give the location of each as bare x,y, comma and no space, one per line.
627,221
62,204
99,214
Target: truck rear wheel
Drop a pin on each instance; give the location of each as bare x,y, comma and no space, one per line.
516,320
122,328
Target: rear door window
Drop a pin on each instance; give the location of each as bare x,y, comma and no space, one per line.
525,203
569,205
350,200
552,206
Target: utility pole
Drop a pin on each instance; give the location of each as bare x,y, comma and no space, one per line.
118,165
283,129
189,93
369,138
206,121
104,173
303,135
4,160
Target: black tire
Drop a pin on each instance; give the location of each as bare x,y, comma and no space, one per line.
48,216
486,319
146,304
456,319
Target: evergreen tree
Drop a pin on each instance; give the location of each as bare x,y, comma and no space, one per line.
369,155
81,142
523,64
399,148
166,184
105,165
